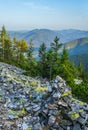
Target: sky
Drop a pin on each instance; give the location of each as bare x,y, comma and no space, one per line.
39,14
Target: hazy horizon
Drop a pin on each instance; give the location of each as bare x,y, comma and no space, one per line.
44,14
46,29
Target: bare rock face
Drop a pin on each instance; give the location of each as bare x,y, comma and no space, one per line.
33,104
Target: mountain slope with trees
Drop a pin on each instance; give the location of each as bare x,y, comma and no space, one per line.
78,51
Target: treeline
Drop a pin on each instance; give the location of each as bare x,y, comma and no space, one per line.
49,63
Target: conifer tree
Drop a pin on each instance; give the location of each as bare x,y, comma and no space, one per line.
30,50
42,62
67,70
2,40
8,52
80,70
50,64
64,56
22,50
5,46
31,61
55,47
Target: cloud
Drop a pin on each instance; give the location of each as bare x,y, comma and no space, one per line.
38,6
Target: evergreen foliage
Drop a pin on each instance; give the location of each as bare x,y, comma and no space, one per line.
42,62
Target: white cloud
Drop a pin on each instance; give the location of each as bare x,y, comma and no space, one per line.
38,6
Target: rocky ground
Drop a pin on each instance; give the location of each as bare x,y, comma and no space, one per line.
34,104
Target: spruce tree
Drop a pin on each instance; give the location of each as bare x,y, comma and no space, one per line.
2,40
31,61
56,45
80,70
8,52
67,68
42,61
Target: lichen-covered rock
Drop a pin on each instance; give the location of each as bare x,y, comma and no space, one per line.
37,104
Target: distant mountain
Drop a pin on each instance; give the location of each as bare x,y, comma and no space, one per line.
47,36
78,46
78,50
38,36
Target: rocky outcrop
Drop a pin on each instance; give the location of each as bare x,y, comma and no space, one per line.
37,104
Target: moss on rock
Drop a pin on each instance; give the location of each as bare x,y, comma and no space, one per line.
19,113
41,89
66,93
33,83
74,115
29,128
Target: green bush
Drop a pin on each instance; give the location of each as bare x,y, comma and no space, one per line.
81,91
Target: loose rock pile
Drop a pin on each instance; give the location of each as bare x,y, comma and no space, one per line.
34,104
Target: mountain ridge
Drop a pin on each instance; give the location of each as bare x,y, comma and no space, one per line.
47,36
